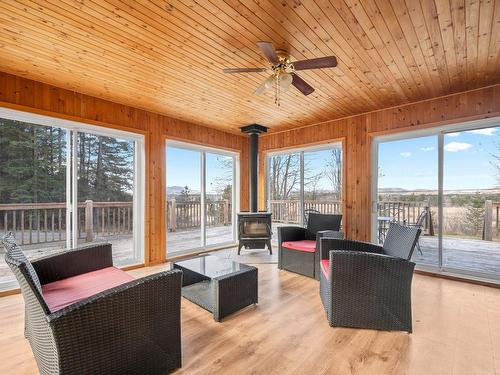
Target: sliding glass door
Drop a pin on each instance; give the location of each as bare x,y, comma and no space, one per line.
471,200
201,202
183,199
304,181
219,198
64,184
106,180
408,191
446,182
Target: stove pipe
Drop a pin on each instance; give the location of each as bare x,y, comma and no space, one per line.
253,131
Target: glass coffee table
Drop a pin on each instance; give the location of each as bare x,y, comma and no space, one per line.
218,285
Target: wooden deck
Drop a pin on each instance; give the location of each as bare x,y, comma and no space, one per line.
468,254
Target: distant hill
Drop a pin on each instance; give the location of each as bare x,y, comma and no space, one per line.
176,190
401,191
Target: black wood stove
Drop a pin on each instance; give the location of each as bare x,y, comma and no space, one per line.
254,227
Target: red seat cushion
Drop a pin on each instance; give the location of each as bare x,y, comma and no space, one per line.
325,267
62,293
303,245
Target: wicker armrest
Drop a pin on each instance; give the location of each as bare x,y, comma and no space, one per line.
291,233
373,273
73,262
328,244
136,321
327,234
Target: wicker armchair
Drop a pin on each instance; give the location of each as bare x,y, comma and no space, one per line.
363,285
133,328
298,248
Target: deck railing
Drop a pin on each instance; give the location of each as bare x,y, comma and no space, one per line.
46,222
288,211
185,215
407,213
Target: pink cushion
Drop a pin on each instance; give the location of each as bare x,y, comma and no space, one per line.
65,292
303,245
325,267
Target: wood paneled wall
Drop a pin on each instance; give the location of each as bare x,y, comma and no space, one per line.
357,133
27,95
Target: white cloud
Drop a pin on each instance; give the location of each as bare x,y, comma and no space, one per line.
405,154
487,131
457,146
453,134
427,149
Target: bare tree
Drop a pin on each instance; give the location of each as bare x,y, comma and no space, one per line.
223,183
311,186
284,176
333,171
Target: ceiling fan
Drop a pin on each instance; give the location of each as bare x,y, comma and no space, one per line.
283,71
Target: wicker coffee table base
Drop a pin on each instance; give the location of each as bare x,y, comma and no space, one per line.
221,295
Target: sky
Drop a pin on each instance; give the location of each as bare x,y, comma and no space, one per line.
410,164
469,161
183,169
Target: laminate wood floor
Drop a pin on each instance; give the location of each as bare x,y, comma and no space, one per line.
456,331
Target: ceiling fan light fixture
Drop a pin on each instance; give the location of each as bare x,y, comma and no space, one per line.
269,82
285,81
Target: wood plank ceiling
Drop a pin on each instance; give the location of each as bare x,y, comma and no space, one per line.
168,56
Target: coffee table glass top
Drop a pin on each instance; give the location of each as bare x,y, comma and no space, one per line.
212,266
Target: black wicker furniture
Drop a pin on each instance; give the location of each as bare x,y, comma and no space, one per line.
130,328
363,285
420,224
298,248
218,285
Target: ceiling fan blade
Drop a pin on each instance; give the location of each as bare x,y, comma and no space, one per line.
269,51
304,87
320,62
244,70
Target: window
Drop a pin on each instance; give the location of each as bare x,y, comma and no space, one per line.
304,181
452,176
47,164
201,200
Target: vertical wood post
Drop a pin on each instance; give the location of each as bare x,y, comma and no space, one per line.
496,217
89,222
429,219
487,228
172,215
226,212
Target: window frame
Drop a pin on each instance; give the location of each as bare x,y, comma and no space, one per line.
72,128
440,132
337,143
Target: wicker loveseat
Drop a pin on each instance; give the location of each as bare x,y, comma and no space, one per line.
83,316
298,247
363,285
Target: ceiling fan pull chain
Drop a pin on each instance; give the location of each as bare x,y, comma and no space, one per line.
277,97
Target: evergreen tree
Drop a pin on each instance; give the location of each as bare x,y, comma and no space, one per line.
33,165
474,214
